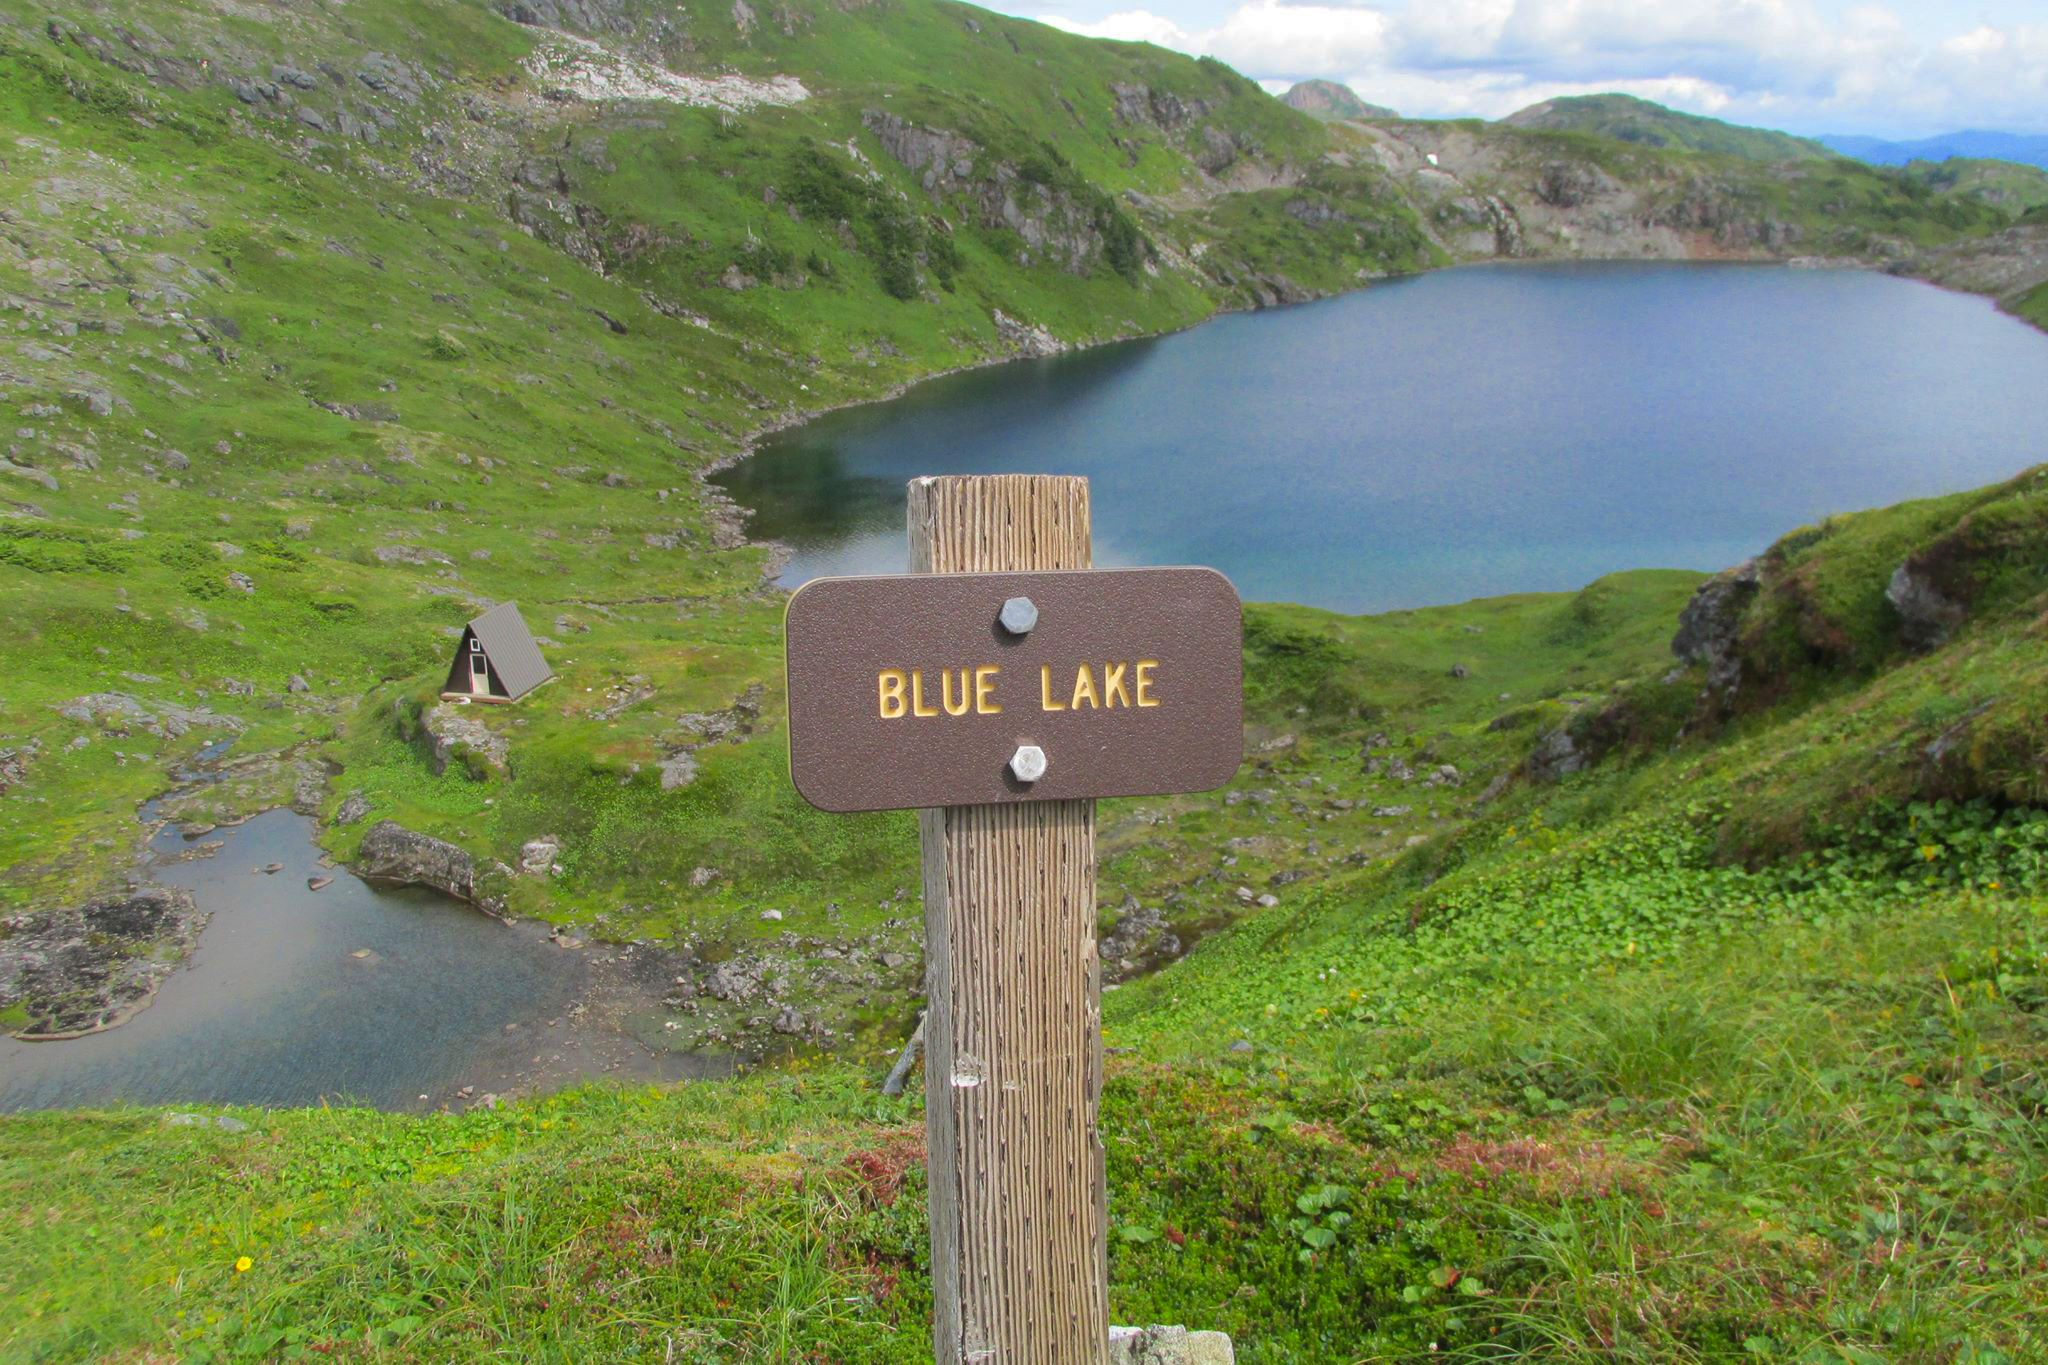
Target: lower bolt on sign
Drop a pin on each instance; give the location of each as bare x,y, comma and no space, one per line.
926,690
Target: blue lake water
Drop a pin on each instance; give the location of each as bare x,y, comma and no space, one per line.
1459,434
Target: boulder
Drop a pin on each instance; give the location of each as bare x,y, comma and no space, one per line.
392,855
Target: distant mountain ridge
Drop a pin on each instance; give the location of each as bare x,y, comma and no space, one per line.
2029,149
1332,102
1628,119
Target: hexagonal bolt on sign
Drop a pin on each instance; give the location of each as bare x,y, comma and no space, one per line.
1028,763
1019,615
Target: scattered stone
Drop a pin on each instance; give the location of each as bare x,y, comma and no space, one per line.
14,763
225,1122
318,883
298,683
771,915
409,554
704,876
353,807
1459,671
1023,338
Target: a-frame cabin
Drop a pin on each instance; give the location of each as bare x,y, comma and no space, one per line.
497,660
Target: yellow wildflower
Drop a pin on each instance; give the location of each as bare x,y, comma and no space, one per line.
242,1263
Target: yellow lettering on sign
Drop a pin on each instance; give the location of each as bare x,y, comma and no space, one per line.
917,702
889,684
954,708
971,690
1113,686
1084,686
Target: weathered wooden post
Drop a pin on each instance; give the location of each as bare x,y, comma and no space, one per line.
1000,689
1013,1039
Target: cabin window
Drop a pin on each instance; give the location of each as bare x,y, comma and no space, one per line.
476,646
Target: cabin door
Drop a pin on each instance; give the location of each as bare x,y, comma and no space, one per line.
479,670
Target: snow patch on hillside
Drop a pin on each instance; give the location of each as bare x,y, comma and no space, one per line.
588,70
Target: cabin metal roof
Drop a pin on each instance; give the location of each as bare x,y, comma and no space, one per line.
514,657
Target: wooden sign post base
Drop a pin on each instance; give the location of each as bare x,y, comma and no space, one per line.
1013,1037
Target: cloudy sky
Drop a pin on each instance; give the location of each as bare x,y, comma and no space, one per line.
1889,67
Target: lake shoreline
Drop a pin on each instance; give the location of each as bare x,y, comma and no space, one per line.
727,511
1456,362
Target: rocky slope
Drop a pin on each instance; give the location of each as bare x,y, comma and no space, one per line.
1494,191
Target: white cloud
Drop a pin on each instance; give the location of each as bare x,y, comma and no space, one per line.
1784,62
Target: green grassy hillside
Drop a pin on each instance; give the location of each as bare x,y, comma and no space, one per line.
1585,1070
1625,118
2010,185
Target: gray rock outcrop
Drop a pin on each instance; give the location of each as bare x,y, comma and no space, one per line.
392,855
1708,624
1056,224
118,711
80,969
456,734
1556,755
1927,615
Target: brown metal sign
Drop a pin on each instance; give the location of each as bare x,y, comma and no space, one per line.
971,689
